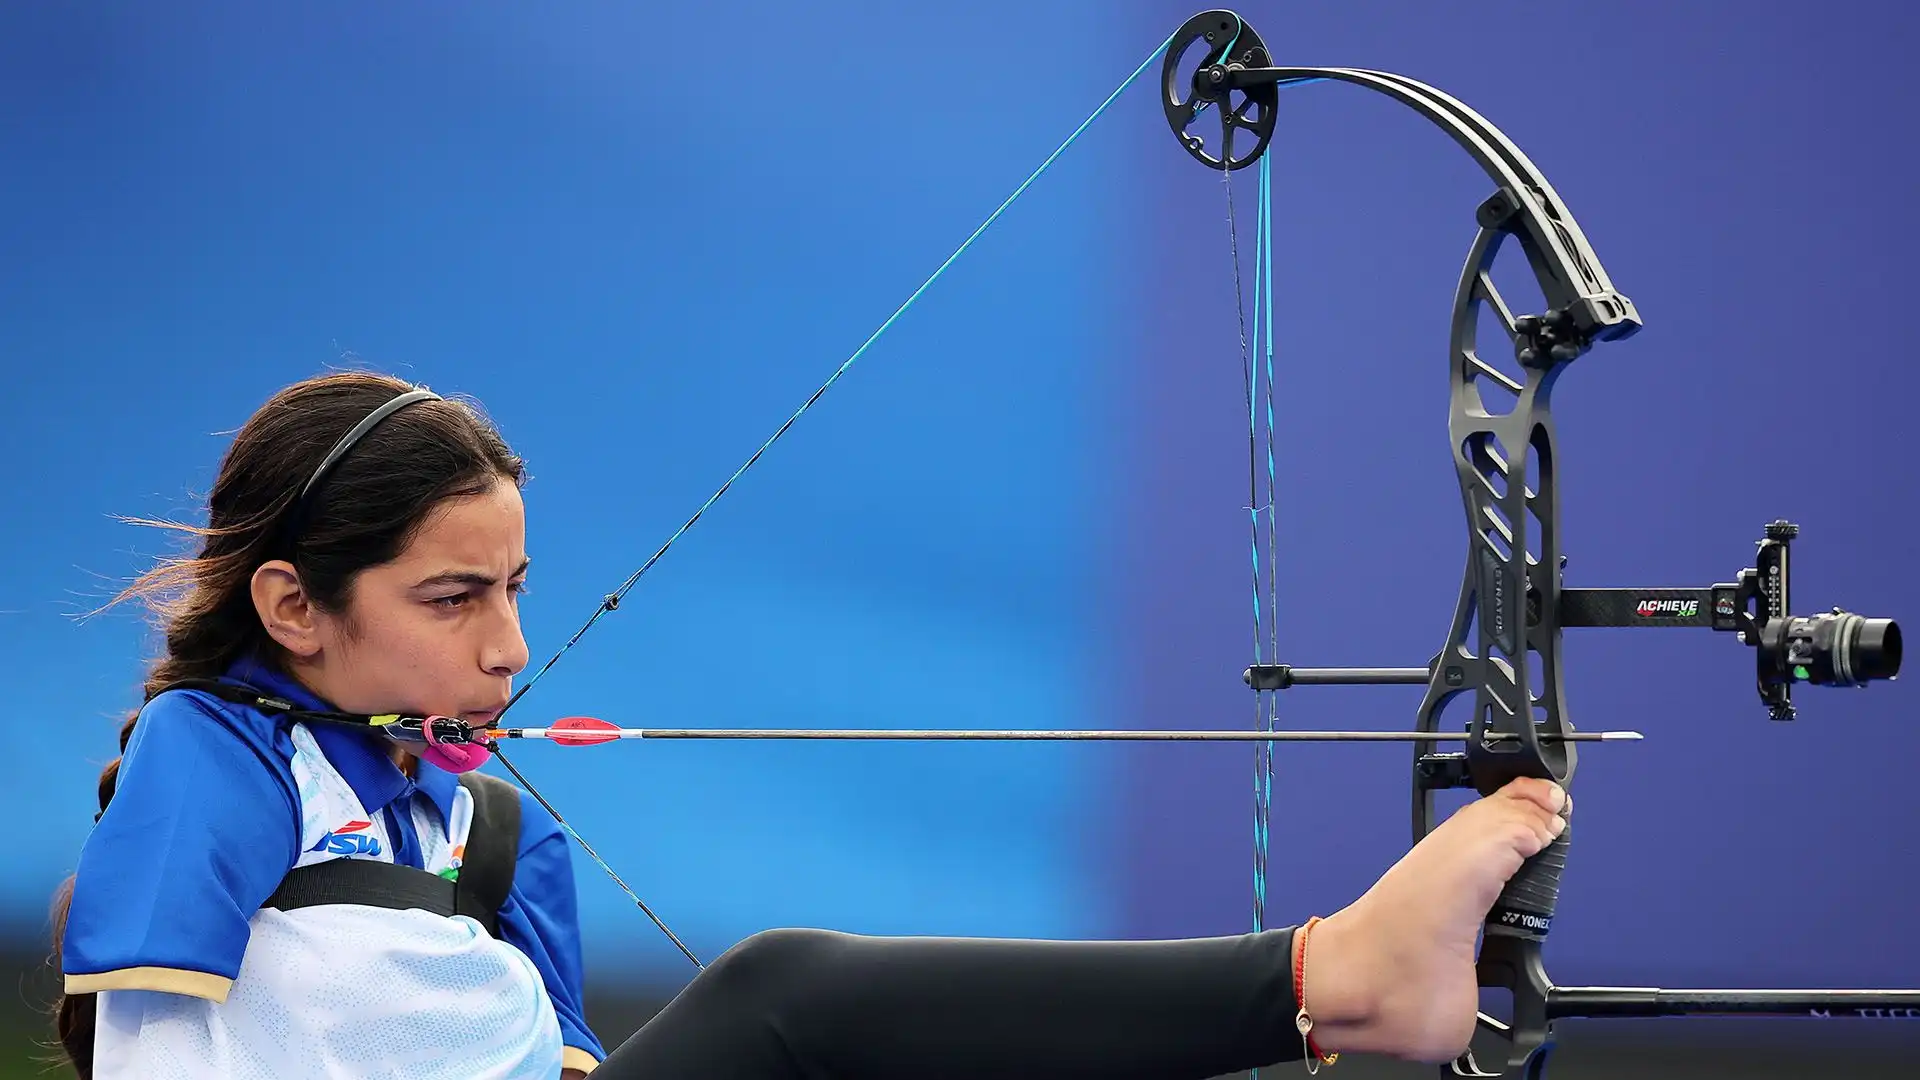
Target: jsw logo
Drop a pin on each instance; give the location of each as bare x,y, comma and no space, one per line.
345,841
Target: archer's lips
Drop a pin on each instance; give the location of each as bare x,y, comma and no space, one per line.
480,719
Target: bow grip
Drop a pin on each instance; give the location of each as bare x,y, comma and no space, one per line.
1526,906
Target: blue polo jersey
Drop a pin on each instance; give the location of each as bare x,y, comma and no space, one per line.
215,803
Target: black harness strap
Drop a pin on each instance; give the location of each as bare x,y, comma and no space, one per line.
493,850
486,869
363,881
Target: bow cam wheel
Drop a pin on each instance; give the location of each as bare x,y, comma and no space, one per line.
1197,88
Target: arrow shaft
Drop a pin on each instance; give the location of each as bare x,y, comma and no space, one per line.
1016,735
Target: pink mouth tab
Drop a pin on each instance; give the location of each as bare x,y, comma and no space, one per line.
453,757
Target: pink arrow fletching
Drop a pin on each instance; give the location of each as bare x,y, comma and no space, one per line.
581,731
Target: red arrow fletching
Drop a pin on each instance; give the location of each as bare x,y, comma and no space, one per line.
582,731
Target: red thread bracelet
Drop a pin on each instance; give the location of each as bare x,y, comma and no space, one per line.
1302,1019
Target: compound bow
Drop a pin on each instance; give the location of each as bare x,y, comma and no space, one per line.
1503,645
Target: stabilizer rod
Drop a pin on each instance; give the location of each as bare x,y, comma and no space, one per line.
1631,1002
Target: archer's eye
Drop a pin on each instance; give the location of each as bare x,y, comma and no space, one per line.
454,602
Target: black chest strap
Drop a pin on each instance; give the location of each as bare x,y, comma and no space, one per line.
486,868
493,850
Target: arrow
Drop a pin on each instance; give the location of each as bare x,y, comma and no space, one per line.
591,731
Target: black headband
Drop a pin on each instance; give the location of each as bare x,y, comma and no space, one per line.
297,519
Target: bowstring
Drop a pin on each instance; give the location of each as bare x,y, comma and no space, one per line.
1248,384
1265,615
600,862
1263,311
1260,441
612,600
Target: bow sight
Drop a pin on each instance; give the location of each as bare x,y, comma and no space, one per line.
1838,648
1503,646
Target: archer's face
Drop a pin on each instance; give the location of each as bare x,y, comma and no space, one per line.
437,629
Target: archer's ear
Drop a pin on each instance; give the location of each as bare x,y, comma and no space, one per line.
284,610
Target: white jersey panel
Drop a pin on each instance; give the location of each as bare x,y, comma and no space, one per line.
349,992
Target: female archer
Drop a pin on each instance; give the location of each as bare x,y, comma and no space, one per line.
264,896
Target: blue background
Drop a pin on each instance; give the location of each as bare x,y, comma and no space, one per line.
1024,507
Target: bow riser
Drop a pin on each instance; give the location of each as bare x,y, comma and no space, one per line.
1504,644
1505,462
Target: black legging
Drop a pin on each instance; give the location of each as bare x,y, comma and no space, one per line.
815,1005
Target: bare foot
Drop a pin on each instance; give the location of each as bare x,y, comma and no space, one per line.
1393,973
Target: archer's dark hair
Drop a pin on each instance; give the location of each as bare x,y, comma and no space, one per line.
363,514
